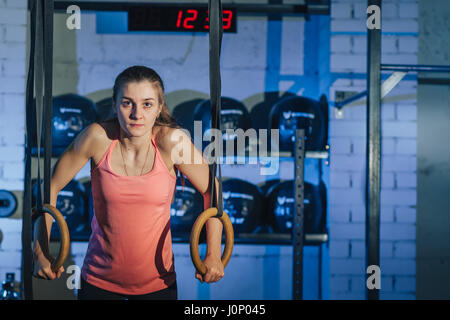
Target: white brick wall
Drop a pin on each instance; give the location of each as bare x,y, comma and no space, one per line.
16,4
13,17
348,154
340,249
340,213
341,10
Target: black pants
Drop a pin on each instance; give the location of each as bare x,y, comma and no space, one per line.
90,292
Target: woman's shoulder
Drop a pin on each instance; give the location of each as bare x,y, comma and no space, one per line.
99,135
168,137
103,131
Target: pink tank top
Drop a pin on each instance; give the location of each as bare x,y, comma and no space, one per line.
130,248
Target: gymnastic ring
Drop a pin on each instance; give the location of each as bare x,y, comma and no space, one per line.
63,230
195,236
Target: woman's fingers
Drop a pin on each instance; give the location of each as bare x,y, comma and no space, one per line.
43,268
46,274
213,275
49,273
60,271
199,277
40,274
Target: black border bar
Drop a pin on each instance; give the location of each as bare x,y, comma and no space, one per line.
319,7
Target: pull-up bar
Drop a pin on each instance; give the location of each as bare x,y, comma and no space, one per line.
414,68
399,71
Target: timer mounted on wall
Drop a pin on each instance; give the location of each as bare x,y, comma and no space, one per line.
177,18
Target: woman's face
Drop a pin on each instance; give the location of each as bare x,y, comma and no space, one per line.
137,107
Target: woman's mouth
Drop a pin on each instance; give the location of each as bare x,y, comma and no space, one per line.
136,125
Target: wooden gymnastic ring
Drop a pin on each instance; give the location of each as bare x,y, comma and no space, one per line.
64,246
195,235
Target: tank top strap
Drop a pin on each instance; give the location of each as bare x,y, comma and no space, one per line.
158,159
153,140
159,164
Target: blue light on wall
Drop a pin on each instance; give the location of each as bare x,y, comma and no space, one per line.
112,22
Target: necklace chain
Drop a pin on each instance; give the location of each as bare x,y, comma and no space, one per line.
123,159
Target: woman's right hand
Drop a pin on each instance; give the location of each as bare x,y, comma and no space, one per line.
43,267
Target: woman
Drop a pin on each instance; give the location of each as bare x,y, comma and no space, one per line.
134,162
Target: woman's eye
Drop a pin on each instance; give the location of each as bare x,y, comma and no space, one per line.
126,103
148,105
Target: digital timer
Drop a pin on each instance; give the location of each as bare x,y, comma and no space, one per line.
173,18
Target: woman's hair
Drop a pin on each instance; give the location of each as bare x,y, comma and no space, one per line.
142,73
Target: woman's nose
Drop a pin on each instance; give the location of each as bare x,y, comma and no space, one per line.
136,113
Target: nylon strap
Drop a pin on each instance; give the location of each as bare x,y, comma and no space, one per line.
215,43
27,259
48,94
39,89
39,82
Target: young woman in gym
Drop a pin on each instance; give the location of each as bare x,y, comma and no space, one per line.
135,159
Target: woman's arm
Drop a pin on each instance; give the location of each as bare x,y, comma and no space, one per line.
190,161
213,226
71,161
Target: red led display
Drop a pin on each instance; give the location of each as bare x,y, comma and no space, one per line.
172,18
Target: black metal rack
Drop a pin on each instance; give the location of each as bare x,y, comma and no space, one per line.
297,227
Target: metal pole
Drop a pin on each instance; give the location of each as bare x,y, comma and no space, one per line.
373,149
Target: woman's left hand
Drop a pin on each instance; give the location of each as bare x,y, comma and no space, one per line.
214,270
